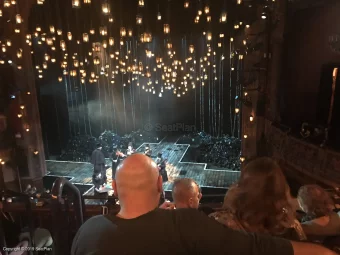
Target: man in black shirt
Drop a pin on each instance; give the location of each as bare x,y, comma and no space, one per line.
99,171
140,228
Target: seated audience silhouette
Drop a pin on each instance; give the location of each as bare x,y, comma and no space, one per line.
320,220
261,202
142,228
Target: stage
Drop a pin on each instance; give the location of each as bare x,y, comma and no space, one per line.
80,173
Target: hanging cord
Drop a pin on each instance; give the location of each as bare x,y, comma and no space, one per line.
124,103
215,94
87,109
68,105
230,90
57,116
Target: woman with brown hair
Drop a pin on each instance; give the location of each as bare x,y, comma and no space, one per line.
320,220
260,202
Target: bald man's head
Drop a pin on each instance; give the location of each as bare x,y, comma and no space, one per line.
186,193
137,179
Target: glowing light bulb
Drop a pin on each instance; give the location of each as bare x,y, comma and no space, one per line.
18,19
106,8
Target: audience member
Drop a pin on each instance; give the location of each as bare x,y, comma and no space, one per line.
186,193
260,202
141,228
320,220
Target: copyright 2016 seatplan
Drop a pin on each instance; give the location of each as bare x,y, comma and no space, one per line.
16,249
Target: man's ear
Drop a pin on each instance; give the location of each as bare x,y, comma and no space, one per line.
160,184
114,187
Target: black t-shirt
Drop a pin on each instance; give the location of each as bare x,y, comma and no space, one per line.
181,231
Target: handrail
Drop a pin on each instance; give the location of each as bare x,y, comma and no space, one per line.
57,201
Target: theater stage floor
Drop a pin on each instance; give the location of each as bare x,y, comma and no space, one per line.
81,173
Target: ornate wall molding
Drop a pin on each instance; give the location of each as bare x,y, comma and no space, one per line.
320,164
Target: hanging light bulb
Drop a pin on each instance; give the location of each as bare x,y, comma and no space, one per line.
104,44
7,3
147,37
17,31
96,61
159,16
208,18
186,4
111,41
237,110
38,28
224,17
85,37
13,2
191,49
239,1
47,57
0,13
111,19
141,3
73,73
166,29
209,36
139,20
242,159
19,53
76,3
206,9
3,48
40,2
87,1
9,43
106,8
69,36
45,65
103,31
251,118
52,29
76,63
122,32
59,32
245,136
62,45
130,33
18,19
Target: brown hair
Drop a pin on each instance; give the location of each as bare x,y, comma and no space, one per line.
316,202
261,198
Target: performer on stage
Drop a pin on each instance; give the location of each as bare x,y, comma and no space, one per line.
161,162
99,169
117,157
130,150
147,150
